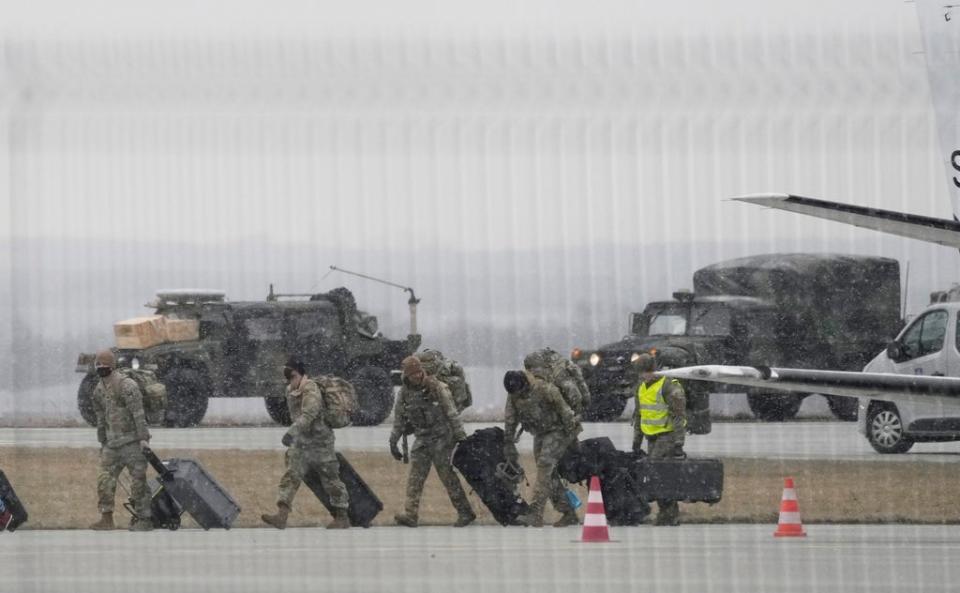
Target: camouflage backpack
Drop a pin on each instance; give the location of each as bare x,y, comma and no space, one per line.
547,364
154,392
339,400
451,373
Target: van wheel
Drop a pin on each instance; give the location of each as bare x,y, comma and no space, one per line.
885,430
187,398
85,399
278,410
774,407
374,396
844,408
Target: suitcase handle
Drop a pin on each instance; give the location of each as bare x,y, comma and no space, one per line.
165,474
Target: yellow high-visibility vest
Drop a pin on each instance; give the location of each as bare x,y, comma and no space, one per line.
653,409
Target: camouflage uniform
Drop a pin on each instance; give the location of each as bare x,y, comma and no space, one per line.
544,413
429,413
666,445
312,447
121,425
551,369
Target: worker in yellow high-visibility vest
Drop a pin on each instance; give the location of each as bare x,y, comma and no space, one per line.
662,419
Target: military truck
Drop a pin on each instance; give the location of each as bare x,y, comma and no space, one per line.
817,311
241,348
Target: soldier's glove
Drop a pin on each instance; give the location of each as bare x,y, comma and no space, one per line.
459,436
144,445
395,450
510,452
287,439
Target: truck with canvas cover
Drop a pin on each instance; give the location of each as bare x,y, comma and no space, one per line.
220,348
817,311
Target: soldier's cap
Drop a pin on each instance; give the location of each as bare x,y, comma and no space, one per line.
105,358
295,364
646,363
411,366
515,381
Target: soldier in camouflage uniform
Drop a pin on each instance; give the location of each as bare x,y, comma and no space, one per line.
547,365
122,432
661,418
540,408
425,408
310,443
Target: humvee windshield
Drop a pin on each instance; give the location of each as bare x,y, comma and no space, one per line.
699,319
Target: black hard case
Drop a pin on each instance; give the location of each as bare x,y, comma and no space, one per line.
364,503
477,458
197,492
12,503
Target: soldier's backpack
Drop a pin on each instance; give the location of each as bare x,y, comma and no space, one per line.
451,373
557,369
154,392
339,400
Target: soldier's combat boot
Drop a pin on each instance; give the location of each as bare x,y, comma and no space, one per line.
141,525
104,524
278,520
405,520
530,519
465,519
340,520
569,518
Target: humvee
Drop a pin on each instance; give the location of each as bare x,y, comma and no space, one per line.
243,346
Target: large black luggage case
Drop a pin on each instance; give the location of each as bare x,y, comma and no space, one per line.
624,500
12,512
477,459
364,503
206,501
685,480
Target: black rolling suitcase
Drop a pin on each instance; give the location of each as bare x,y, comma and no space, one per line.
477,459
364,503
684,480
195,491
585,459
623,500
12,512
165,511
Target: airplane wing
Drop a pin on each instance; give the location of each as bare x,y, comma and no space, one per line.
880,386
925,228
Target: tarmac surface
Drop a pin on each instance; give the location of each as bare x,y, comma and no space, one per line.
695,558
790,440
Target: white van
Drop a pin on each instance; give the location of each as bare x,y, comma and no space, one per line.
928,345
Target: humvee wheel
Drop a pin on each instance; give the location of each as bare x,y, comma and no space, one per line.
85,399
278,410
187,398
774,407
604,407
374,395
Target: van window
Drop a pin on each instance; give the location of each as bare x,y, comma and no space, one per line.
926,335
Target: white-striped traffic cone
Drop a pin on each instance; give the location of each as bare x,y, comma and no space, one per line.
595,521
789,524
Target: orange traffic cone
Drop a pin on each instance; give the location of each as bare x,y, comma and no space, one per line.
789,524
595,521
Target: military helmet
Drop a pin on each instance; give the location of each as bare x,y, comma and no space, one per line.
432,361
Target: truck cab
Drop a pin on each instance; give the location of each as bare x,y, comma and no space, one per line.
928,345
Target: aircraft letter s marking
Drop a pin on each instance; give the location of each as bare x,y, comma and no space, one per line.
955,161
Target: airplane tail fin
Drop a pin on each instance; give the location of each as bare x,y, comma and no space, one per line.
940,28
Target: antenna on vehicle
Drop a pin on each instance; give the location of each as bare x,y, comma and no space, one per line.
413,301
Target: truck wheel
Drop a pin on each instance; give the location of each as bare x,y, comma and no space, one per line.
278,410
844,408
374,396
85,399
774,407
698,409
187,398
604,407
885,430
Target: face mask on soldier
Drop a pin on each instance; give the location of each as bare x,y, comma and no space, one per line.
287,373
104,372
